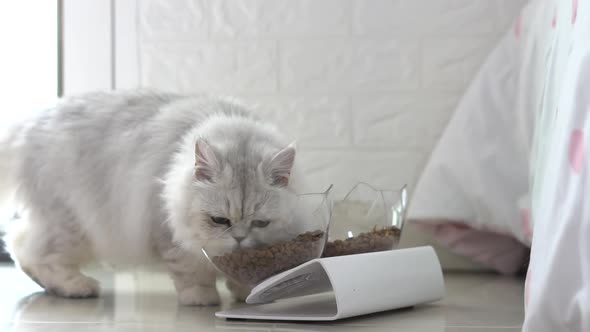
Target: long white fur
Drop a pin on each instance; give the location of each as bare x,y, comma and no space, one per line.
111,177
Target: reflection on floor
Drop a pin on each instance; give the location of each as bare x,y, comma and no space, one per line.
145,301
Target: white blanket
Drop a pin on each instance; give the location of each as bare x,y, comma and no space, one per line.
513,165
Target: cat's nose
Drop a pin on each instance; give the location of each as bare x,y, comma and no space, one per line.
239,238
239,233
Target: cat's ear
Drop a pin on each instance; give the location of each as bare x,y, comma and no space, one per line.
278,169
207,165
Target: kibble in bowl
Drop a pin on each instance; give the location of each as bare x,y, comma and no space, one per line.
366,220
251,264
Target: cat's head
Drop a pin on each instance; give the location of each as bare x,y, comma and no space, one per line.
246,199
241,193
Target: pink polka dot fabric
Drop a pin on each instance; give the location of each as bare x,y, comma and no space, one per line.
574,11
511,169
526,287
576,151
557,287
525,220
517,26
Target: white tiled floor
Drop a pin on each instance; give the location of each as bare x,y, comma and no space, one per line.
145,301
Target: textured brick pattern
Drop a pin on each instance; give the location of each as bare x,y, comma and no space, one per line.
366,86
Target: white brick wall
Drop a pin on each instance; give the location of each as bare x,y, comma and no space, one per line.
366,86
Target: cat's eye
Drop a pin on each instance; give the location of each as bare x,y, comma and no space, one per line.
221,221
260,223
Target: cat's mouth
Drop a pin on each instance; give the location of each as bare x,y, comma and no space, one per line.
249,245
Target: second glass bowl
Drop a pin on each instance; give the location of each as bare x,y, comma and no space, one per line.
367,220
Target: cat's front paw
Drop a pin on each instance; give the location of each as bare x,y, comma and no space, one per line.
239,293
199,295
78,286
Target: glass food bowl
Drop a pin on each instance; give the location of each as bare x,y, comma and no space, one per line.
300,238
367,220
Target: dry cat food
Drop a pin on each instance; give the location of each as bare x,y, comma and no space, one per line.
375,240
252,265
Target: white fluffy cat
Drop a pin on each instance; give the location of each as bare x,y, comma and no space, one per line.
125,176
